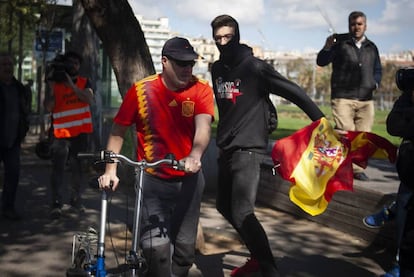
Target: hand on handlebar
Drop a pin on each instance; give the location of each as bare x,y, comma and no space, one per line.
108,181
191,165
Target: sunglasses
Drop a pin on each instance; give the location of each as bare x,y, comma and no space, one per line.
182,63
226,38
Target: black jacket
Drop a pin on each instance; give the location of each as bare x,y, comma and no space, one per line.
356,73
400,121
24,109
241,86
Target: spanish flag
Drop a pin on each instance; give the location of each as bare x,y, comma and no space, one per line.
318,162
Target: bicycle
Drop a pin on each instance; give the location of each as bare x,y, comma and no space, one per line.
84,263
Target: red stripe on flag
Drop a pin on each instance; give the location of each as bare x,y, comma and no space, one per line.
288,151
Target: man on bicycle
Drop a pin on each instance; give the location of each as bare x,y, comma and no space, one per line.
172,112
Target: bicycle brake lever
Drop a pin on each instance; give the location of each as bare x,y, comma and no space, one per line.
177,165
180,165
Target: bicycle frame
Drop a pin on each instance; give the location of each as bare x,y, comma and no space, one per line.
100,261
135,261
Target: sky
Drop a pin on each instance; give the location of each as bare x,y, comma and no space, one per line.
289,25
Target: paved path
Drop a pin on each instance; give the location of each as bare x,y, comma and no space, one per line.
38,246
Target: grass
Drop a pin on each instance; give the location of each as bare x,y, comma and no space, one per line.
291,119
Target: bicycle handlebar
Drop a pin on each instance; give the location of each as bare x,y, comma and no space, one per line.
111,157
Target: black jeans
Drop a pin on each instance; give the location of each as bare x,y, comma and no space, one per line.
238,181
11,161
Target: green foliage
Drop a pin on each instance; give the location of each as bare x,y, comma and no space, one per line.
22,16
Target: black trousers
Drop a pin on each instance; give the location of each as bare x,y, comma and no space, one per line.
65,151
238,182
11,161
407,242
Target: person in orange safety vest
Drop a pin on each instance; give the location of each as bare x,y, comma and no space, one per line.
69,103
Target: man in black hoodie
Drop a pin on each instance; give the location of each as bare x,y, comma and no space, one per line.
242,84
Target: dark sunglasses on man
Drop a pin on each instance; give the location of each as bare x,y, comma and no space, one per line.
182,63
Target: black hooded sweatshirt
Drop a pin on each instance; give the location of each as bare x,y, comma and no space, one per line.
242,84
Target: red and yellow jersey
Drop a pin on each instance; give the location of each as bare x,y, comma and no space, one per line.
71,116
164,119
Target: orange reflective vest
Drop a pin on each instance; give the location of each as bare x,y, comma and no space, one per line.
71,116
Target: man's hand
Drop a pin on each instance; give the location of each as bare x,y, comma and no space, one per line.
340,134
85,95
108,181
329,42
191,164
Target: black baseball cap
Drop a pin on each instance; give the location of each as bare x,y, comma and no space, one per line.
179,49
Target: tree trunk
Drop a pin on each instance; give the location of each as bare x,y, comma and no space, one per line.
85,42
122,39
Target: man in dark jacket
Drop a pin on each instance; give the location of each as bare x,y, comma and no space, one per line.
14,124
356,73
400,122
242,84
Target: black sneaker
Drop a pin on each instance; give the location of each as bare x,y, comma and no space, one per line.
56,210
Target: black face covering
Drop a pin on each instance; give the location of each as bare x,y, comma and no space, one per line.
233,44
228,50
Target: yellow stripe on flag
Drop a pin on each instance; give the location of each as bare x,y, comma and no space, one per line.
316,167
